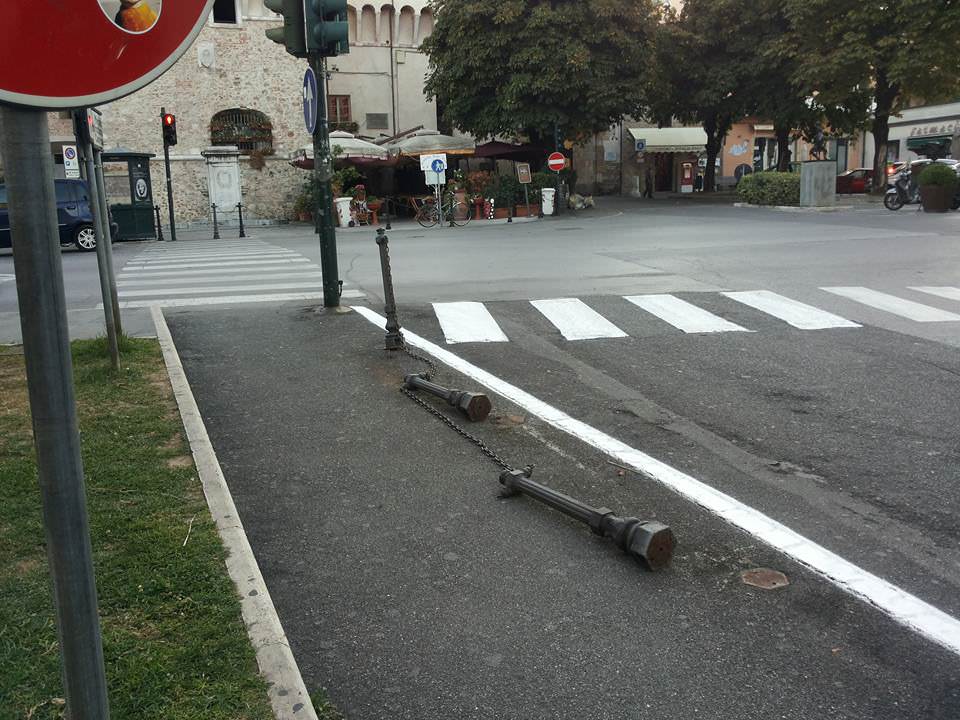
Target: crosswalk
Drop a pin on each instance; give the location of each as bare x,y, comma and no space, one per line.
219,273
575,320
7,278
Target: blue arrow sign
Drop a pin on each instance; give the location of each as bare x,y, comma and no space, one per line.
437,166
310,100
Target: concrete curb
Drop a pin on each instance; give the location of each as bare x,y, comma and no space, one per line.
288,695
794,208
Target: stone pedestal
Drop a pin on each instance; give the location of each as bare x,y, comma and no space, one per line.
223,181
818,183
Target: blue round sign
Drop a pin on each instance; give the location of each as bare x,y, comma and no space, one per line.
437,166
310,100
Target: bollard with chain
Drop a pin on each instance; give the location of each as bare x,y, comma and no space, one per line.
476,406
216,228
646,540
156,209
394,338
240,216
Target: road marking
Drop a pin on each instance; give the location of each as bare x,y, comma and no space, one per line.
468,322
792,312
217,260
951,293
217,253
683,315
201,289
7,278
576,320
236,272
230,299
304,275
230,263
907,609
894,305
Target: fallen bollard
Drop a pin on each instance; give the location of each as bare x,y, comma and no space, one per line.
648,540
476,406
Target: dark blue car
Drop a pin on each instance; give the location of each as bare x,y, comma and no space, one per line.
73,216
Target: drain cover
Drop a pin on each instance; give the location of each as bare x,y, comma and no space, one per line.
764,578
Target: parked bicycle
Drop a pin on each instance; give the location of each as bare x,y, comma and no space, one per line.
456,212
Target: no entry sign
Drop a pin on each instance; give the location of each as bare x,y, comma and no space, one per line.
92,52
556,161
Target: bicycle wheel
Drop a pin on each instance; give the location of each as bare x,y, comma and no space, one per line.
428,216
459,213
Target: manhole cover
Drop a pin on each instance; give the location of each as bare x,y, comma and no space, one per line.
764,578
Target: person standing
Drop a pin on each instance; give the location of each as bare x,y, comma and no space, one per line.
648,183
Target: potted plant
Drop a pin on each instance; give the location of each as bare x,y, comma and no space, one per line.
938,183
302,207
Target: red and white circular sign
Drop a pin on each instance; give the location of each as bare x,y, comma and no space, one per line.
556,161
88,52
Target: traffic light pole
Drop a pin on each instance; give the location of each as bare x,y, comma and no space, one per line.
32,205
323,174
166,165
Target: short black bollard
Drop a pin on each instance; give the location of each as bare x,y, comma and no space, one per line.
510,213
156,209
394,338
240,216
216,228
386,206
646,540
476,406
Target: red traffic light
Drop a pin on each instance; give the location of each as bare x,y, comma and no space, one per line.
169,119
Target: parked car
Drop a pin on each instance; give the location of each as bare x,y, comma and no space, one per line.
73,216
854,181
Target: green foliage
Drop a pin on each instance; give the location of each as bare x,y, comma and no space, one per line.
937,174
506,190
770,188
502,66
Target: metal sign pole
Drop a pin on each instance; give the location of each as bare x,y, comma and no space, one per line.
108,245
46,351
323,173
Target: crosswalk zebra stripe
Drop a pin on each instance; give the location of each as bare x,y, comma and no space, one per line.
230,263
792,312
216,259
576,320
233,272
216,253
683,315
201,289
951,293
230,299
894,305
303,275
467,322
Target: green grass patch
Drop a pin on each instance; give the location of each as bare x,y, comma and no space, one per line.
174,642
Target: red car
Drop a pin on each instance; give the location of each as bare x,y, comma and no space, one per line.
854,181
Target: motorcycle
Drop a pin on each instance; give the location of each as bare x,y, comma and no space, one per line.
903,191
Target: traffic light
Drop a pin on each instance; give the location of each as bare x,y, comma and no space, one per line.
291,35
169,122
326,27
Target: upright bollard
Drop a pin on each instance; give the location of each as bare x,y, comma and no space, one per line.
240,216
216,228
394,338
476,406
646,540
156,209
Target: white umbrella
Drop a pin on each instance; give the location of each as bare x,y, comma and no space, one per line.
428,142
344,146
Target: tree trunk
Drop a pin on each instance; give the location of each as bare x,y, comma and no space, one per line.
783,148
713,148
884,96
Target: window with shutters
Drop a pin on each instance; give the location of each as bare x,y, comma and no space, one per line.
338,113
250,130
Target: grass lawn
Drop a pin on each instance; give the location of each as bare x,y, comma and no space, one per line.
175,645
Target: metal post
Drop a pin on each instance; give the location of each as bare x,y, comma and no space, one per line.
240,216
394,338
101,223
216,228
166,165
476,406
46,350
556,147
388,203
323,173
159,227
108,245
526,198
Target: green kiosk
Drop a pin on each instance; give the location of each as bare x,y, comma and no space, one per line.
126,174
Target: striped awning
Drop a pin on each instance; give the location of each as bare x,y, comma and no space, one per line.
682,139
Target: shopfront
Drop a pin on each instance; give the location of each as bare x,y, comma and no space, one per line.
920,132
664,152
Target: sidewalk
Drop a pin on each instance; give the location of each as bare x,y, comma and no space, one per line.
409,590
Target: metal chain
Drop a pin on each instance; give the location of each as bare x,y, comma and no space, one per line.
429,375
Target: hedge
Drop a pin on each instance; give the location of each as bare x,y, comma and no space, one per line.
770,188
937,174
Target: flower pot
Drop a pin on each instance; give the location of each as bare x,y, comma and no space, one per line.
936,198
374,205
521,210
304,216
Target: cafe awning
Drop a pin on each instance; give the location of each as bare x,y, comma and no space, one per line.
919,143
682,140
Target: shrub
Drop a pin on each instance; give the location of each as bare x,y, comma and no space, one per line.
506,190
937,174
770,188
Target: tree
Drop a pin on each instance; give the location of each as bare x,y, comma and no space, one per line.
878,53
498,68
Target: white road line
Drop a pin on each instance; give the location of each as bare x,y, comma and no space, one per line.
201,289
217,253
683,315
305,275
903,607
468,322
231,263
238,272
951,293
576,320
218,259
792,312
229,300
7,278
894,305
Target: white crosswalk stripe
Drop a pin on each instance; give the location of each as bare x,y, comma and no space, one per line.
894,305
576,320
467,322
951,293
7,278
219,273
793,312
683,315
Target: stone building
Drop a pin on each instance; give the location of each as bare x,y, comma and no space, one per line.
235,88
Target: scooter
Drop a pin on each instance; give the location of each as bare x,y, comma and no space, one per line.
903,191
